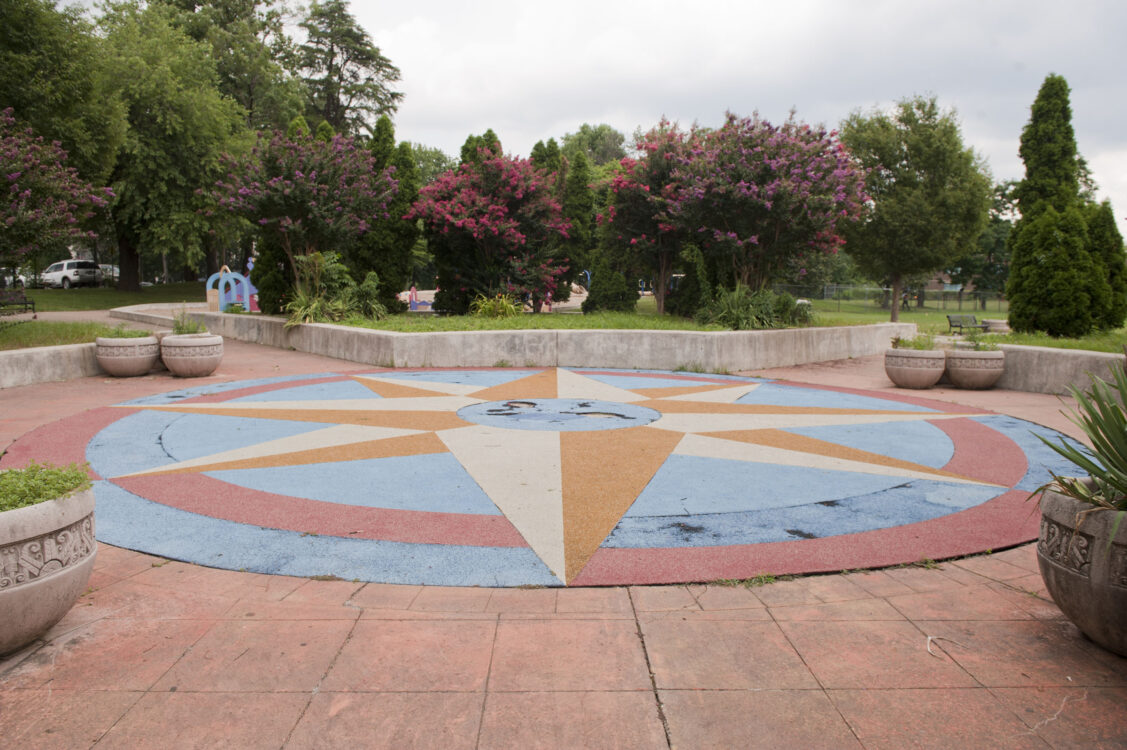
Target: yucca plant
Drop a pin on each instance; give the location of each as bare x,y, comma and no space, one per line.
1100,414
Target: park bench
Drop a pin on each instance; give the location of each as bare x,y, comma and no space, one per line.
964,321
14,302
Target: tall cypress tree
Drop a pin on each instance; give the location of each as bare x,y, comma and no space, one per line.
1056,283
1106,243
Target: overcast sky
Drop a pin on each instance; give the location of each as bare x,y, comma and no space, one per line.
533,70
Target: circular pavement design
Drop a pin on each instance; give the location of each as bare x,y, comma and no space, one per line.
551,476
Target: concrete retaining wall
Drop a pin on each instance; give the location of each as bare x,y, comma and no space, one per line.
48,363
713,351
1041,369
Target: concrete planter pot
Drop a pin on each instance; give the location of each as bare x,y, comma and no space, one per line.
191,355
46,554
914,368
1085,568
975,370
126,358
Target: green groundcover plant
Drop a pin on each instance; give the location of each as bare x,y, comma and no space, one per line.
38,483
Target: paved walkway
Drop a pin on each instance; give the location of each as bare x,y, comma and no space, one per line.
166,654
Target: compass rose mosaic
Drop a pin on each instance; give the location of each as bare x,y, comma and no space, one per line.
508,477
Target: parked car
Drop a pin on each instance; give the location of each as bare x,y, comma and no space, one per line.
68,273
7,281
109,273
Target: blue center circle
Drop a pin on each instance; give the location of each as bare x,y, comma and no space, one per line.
558,414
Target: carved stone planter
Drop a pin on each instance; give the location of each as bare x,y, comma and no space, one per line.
46,555
192,355
1085,568
975,370
914,368
125,358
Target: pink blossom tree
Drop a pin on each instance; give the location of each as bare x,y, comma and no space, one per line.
307,195
639,223
494,227
44,201
754,195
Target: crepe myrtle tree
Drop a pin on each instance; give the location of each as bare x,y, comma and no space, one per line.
639,227
306,195
494,227
755,196
43,201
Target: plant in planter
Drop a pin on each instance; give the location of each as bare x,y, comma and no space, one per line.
191,352
47,548
1082,546
914,362
126,353
977,367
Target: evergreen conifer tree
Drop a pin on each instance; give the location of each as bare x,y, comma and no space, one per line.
1059,281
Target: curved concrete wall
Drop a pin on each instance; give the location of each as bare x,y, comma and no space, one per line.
713,351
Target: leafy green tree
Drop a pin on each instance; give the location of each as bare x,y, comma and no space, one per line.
348,78
987,265
430,162
179,124
601,144
930,193
252,51
1058,280
53,75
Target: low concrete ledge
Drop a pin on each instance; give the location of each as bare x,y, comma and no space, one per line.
713,351
1042,369
46,364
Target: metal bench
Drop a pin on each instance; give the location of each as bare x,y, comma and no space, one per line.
964,321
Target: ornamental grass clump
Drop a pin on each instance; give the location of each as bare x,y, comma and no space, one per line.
1100,414
497,306
38,483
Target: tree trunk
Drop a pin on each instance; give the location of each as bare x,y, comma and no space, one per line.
897,283
128,262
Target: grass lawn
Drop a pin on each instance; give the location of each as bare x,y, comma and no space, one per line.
106,298
29,333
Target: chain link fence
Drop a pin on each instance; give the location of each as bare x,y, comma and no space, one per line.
867,299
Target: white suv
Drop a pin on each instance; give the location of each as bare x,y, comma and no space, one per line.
68,273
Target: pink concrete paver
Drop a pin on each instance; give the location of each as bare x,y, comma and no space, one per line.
829,661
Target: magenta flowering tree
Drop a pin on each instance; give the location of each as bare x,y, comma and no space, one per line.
755,196
44,201
306,195
494,227
639,223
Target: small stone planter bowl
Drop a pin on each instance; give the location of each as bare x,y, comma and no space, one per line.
975,370
914,368
47,552
192,355
126,357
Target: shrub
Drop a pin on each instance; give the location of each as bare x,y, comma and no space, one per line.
497,306
609,290
39,483
742,309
